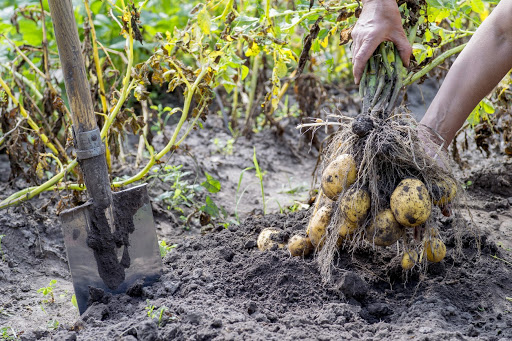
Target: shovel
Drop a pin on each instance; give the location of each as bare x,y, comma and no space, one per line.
111,240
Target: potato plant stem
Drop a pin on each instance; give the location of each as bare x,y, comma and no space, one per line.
31,192
411,78
40,73
252,87
30,122
99,72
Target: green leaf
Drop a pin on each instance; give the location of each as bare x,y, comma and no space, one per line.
204,21
212,185
245,71
487,106
477,6
210,207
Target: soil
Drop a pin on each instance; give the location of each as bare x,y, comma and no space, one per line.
216,285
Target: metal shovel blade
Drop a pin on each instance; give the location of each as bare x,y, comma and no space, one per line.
134,255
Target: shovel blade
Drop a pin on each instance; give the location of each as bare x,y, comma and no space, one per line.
143,249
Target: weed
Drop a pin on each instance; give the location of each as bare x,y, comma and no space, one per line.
238,195
52,324
8,334
181,192
153,313
163,115
164,248
48,292
161,314
149,309
225,148
210,208
259,175
297,206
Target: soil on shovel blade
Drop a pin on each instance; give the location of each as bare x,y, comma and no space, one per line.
219,286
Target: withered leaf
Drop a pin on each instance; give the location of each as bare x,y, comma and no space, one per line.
346,35
344,15
308,42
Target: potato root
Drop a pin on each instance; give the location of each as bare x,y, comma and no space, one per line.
338,175
410,203
355,205
435,250
384,230
299,245
265,241
318,225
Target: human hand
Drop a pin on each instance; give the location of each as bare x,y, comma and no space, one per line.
379,21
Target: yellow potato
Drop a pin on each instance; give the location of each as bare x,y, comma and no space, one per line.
444,192
409,259
435,249
300,245
410,203
318,225
355,204
265,241
384,230
339,174
347,228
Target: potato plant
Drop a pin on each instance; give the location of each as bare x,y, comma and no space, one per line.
394,161
255,51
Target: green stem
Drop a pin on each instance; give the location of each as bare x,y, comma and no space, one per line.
184,114
29,193
411,78
385,61
314,10
253,84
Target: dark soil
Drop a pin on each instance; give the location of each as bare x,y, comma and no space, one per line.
219,286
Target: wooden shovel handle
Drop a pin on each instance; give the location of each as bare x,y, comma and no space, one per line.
88,145
77,86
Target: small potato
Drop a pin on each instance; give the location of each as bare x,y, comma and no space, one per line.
300,246
318,225
409,259
410,203
347,228
384,230
435,249
265,241
444,192
355,204
339,174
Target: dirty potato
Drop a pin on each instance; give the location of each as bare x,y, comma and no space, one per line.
443,192
384,230
339,174
355,204
299,245
435,250
347,228
265,241
409,259
410,203
318,225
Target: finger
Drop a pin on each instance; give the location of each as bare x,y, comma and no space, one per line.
403,47
363,54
